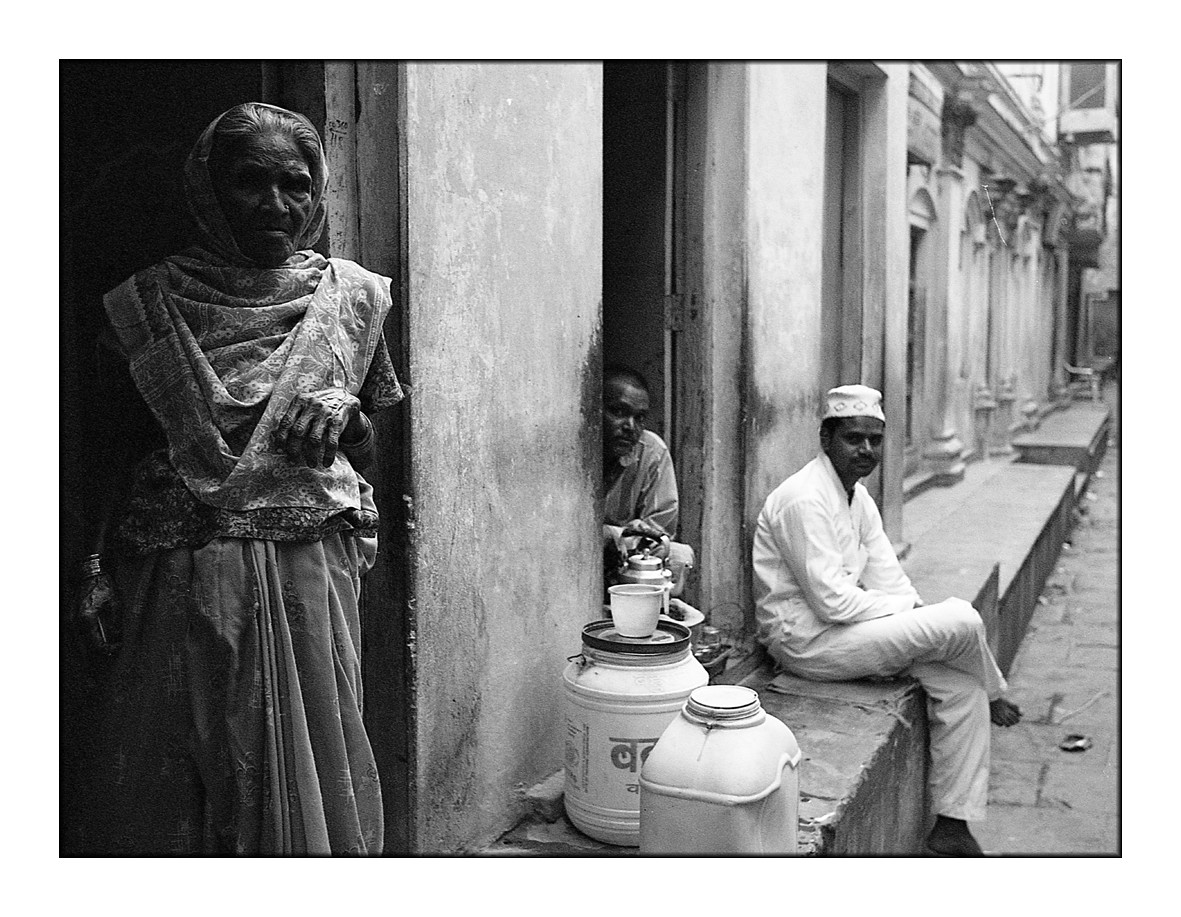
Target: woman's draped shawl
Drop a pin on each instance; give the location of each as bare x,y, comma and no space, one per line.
219,351
219,346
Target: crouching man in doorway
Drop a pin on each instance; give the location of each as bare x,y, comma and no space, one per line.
638,477
834,604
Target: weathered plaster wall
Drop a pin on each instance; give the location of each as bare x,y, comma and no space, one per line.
785,188
504,202
725,566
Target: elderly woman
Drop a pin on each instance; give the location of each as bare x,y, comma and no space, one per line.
231,570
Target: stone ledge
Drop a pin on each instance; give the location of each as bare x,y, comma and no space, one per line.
998,549
543,802
1077,437
863,772
862,775
559,838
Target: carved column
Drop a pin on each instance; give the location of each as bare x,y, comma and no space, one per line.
998,398
1006,213
958,116
1030,414
944,453
1060,385
1005,396
1057,220
984,407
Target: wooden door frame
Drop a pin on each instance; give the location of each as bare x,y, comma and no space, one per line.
360,109
851,350
685,377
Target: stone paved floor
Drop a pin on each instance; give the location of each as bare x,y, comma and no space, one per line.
1065,678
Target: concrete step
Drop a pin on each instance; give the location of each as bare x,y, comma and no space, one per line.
861,776
863,772
1076,436
1016,524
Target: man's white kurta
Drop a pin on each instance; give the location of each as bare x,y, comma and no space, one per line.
820,560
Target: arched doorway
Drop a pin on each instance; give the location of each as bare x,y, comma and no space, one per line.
973,264
922,217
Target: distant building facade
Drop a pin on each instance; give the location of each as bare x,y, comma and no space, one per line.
1089,137
989,266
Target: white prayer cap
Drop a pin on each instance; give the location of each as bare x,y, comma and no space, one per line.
853,401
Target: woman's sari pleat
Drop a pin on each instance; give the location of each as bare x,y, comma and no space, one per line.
238,692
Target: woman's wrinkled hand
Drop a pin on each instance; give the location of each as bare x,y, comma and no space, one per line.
310,431
99,615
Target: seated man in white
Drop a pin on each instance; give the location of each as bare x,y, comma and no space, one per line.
833,604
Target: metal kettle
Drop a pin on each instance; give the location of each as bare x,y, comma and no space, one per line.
645,568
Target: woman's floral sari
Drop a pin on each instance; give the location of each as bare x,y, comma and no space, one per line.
234,718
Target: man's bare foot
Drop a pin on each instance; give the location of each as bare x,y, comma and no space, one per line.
950,837
1003,712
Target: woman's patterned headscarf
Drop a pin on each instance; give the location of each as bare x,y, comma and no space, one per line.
203,203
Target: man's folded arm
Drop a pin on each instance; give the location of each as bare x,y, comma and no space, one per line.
810,546
883,572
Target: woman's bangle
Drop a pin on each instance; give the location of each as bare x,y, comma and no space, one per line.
91,566
366,437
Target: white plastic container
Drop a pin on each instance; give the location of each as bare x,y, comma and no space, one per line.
722,780
620,695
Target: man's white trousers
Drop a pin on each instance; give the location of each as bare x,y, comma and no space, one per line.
945,648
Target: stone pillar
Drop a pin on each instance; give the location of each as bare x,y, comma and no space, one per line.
1030,419
1059,387
1006,354
1001,395
944,453
984,407
1003,419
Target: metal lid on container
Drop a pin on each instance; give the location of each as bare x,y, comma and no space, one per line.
669,638
723,702
642,562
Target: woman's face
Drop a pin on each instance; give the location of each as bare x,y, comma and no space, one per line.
264,187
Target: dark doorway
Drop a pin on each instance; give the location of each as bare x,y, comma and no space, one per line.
916,338
653,130
840,332
126,128
635,203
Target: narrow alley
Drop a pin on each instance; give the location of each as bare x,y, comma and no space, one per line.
1044,798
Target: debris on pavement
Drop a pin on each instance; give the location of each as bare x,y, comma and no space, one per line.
1064,717
1075,742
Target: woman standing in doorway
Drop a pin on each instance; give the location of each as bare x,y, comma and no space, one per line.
224,579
